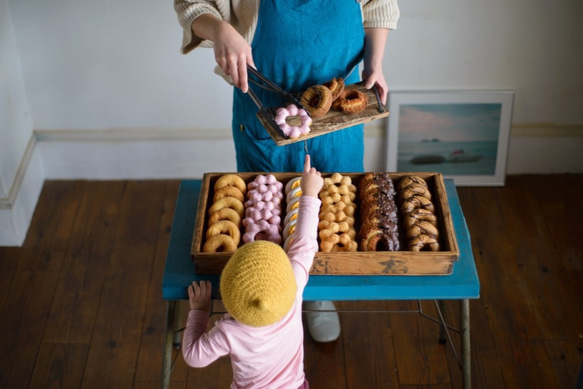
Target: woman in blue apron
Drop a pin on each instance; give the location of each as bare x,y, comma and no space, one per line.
296,55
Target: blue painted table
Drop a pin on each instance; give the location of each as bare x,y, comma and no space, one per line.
463,284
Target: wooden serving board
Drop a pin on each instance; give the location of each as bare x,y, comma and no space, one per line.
345,263
332,121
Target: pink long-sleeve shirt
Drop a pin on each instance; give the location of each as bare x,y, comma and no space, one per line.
261,357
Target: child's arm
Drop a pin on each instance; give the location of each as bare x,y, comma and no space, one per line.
305,238
196,347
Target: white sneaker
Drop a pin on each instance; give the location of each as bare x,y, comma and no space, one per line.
323,326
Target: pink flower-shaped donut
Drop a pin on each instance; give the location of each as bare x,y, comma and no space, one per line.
293,132
262,230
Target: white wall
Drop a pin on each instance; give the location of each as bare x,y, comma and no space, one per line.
108,92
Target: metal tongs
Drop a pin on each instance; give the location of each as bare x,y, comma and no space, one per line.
267,84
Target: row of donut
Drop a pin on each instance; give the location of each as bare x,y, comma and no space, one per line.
318,100
257,209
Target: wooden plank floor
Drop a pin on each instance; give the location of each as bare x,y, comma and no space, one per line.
81,306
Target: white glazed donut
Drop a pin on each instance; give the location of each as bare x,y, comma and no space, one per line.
291,215
292,184
294,203
293,132
289,228
296,192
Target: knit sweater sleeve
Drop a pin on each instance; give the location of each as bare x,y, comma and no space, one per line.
380,14
241,14
305,243
201,348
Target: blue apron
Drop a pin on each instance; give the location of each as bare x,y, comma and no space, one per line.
297,44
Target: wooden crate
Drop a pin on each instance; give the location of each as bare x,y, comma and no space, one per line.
345,263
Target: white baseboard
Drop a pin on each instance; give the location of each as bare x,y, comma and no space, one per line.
17,209
186,154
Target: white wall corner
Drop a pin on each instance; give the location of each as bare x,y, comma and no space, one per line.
17,209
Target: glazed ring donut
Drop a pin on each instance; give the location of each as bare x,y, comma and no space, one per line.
351,101
229,191
336,86
317,100
225,214
219,244
228,202
379,240
224,227
233,180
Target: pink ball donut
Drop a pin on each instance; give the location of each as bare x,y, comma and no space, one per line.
293,132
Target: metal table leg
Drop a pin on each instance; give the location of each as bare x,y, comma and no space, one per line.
168,340
465,337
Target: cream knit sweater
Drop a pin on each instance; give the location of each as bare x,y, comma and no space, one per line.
242,15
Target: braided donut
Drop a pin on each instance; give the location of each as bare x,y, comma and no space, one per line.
317,100
229,191
224,227
418,215
219,244
350,101
225,214
336,86
230,179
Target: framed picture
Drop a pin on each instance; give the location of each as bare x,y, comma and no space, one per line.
461,134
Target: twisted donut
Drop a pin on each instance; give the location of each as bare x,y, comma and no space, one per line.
292,184
410,180
230,180
317,100
415,202
219,243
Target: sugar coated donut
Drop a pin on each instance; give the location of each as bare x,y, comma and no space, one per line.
317,100
219,244
290,113
224,227
232,180
351,101
336,86
228,202
229,191
225,214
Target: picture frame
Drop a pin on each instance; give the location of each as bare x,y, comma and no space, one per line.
461,134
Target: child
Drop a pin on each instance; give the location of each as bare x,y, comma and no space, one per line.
261,287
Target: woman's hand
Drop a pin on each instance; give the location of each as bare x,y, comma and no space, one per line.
232,52
199,296
372,72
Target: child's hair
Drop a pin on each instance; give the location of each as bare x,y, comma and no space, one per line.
258,286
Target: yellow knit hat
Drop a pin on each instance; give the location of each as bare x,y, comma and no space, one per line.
258,286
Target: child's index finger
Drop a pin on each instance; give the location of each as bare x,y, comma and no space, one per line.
307,165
